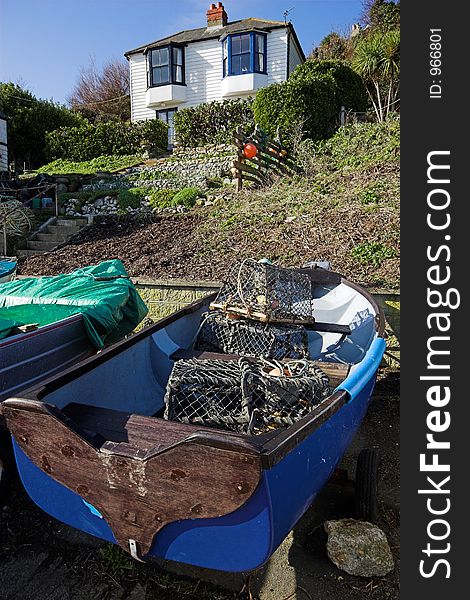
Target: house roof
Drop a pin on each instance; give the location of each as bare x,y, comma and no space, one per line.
204,33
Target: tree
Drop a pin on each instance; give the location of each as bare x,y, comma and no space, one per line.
381,15
106,93
333,46
29,119
377,59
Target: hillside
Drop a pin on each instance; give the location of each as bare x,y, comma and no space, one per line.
345,209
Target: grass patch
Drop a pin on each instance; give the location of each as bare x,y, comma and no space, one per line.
108,164
116,562
373,253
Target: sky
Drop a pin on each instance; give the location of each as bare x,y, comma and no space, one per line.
45,43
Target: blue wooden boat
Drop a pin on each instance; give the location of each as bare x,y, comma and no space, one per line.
7,269
93,449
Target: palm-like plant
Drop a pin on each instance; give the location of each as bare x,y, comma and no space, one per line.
377,59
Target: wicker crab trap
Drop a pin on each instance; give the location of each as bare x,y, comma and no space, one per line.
246,396
266,293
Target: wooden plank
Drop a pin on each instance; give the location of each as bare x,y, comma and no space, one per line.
136,495
264,318
246,168
248,177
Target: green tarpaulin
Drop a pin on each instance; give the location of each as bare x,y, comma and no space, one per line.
103,294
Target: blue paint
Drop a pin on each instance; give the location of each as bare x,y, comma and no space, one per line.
7,268
246,538
92,509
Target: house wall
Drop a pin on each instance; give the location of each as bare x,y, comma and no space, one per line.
138,75
295,59
204,72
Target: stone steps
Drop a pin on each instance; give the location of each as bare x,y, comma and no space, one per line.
52,236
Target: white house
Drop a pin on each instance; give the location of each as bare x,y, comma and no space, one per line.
222,60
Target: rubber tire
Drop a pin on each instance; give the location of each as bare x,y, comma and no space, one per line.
8,471
367,479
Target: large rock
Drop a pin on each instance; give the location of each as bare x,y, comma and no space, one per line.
359,548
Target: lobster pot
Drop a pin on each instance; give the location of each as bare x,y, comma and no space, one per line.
244,396
206,392
251,338
265,292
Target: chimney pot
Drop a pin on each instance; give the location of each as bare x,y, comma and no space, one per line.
216,16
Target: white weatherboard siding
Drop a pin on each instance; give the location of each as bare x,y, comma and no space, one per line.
138,73
295,58
277,56
204,73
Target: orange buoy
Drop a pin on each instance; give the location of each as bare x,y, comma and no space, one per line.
250,150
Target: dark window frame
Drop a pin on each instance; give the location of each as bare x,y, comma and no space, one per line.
227,63
172,65
174,110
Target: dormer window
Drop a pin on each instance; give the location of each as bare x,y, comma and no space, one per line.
166,66
244,53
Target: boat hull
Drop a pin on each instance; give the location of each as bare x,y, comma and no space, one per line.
294,463
7,270
246,538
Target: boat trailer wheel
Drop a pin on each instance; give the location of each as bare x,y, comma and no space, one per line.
367,478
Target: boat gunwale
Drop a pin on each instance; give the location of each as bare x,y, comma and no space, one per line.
271,447
20,337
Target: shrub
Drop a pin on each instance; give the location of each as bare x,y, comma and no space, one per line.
29,120
212,122
187,197
131,198
90,141
312,97
162,198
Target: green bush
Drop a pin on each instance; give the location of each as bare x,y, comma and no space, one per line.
187,197
29,121
131,198
212,122
162,198
90,141
310,100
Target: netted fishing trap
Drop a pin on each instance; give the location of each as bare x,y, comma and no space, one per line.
245,396
219,333
265,292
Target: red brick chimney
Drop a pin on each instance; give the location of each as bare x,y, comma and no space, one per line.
216,16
